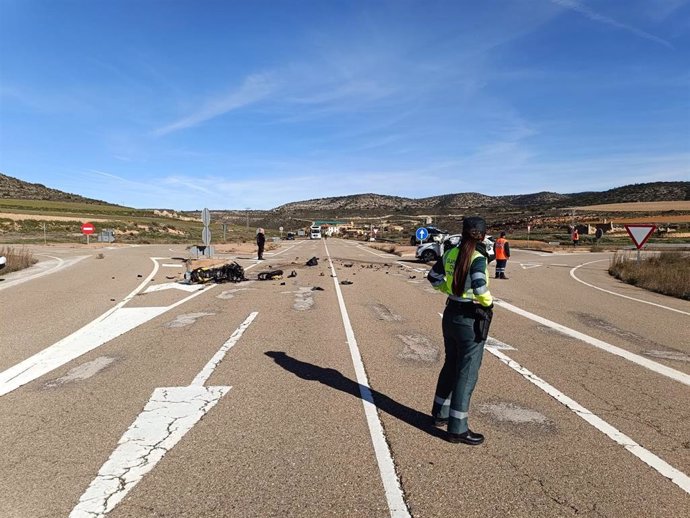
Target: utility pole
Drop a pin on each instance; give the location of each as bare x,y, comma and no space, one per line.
247,217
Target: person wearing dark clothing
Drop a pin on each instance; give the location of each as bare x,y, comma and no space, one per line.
502,248
260,242
462,274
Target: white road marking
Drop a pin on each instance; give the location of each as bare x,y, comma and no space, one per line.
527,266
173,265
111,324
391,482
172,286
208,369
385,255
39,270
572,274
168,415
600,344
677,477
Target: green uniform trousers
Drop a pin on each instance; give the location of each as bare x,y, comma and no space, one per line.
460,370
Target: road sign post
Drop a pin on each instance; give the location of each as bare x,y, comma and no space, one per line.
87,229
421,234
639,234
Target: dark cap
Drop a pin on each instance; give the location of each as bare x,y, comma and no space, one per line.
474,223
503,234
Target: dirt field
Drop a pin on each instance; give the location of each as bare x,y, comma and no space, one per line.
40,217
652,206
654,219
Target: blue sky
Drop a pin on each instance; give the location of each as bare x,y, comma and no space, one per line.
252,104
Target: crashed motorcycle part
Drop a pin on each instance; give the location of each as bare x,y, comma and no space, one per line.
232,272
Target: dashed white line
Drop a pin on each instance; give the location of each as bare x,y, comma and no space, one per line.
572,274
391,483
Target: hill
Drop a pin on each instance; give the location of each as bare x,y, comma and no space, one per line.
15,189
448,203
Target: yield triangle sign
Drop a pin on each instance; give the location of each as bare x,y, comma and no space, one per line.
640,233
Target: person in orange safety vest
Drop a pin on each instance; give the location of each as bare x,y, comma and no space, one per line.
502,250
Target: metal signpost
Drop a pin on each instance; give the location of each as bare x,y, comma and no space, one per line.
206,232
87,229
639,235
421,234
281,232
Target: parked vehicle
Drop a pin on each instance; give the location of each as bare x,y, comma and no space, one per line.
315,233
290,236
432,251
3,261
434,233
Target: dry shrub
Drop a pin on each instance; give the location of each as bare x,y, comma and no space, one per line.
667,272
17,259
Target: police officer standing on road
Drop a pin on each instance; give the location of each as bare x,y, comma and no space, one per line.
502,248
260,242
462,274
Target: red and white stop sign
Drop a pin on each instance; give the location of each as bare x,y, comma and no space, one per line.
88,228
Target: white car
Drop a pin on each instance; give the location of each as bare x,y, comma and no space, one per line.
434,250
3,261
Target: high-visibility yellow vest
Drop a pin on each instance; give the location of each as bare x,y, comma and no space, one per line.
449,259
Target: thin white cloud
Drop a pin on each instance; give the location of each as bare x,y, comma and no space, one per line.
581,8
254,88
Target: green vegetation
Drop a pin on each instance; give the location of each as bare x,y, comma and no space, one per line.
667,273
17,259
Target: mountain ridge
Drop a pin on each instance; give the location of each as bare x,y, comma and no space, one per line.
14,188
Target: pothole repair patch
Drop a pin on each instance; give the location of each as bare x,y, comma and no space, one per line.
228,294
383,313
668,355
303,299
418,348
187,320
82,372
512,413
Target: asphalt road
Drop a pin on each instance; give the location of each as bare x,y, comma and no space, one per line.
124,392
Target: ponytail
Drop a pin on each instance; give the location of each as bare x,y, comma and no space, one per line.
462,265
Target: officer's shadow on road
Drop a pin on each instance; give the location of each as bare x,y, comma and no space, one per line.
336,380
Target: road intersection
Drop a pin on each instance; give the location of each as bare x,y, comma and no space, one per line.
331,388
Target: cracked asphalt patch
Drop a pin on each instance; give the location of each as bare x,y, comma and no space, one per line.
506,412
383,313
418,348
187,320
82,372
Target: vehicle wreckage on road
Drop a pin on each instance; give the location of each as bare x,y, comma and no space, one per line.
231,272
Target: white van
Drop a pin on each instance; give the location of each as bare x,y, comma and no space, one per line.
315,233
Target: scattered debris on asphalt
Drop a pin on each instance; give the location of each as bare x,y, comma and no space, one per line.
317,288
270,275
314,261
293,273
231,272
346,282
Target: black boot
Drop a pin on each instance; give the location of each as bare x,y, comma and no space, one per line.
503,276
469,437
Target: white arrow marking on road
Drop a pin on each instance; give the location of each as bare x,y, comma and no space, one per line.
169,414
527,266
111,324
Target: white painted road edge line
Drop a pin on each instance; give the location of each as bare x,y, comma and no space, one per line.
391,482
39,270
600,344
677,477
168,415
572,274
206,372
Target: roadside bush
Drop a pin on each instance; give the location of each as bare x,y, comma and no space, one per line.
667,272
17,259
